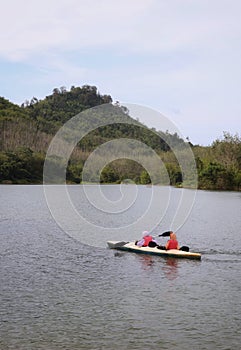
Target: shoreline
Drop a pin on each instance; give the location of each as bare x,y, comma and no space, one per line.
8,183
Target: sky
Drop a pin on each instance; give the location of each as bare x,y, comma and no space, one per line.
181,58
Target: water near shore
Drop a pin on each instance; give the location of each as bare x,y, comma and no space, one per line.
57,293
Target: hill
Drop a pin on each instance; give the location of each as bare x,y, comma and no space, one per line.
26,132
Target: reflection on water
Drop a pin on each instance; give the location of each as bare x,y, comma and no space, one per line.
171,268
168,265
147,262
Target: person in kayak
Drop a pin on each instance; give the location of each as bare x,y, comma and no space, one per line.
172,243
146,241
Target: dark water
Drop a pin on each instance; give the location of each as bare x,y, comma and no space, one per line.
57,293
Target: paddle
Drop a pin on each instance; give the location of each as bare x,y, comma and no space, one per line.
165,234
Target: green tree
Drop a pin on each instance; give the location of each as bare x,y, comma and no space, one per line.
175,174
145,178
108,175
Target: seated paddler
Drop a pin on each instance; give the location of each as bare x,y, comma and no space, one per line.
146,241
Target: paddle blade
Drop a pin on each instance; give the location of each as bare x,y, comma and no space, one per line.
165,234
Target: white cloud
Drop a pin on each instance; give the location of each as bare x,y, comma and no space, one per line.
177,55
29,27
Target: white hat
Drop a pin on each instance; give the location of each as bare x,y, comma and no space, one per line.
145,233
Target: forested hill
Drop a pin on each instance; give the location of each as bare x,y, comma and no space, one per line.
62,105
44,117
27,130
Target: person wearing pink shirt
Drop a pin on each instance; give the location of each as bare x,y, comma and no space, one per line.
146,241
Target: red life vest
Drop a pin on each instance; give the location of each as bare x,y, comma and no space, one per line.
147,240
172,244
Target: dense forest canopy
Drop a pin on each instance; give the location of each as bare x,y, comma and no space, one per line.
27,130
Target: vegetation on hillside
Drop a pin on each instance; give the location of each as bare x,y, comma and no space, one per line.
26,132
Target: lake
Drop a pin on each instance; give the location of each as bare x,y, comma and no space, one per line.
59,293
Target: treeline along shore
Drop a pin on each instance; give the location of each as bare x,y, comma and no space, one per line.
27,130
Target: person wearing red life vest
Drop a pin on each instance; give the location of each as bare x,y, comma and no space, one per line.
145,241
172,243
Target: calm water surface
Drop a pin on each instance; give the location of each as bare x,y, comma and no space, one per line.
57,293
